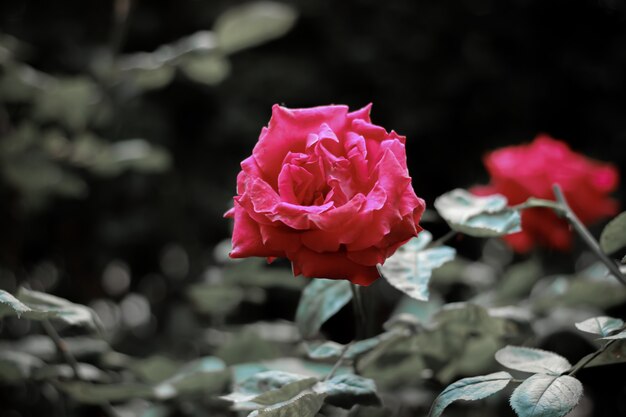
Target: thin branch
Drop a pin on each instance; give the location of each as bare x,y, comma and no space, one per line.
71,360
359,312
585,361
335,368
591,242
443,239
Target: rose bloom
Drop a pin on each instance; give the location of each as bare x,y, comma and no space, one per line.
520,172
328,190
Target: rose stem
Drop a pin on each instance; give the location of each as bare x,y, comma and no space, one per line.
585,361
71,360
585,235
359,312
443,239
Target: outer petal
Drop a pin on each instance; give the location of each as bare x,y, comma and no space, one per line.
247,240
332,265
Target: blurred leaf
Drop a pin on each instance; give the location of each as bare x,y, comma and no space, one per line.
45,305
518,280
285,392
423,311
268,381
532,360
592,287
154,368
252,24
218,300
478,216
17,366
237,349
546,396
306,404
43,347
205,375
255,272
601,325
88,393
22,83
36,305
210,69
618,336
474,388
333,350
71,101
347,390
321,300
87,372
613,237
410,268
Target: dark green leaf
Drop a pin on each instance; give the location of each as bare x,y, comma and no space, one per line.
348,389
474,388
306,404
321,300
17,366
532,360
89,393
613,237
620,335
546,396
601,325
478,216
215,299
252,24
410,268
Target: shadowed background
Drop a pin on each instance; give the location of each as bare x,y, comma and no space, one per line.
457,78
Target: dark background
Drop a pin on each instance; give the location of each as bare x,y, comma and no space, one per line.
458,78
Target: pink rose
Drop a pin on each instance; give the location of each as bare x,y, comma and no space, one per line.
328,190
520,172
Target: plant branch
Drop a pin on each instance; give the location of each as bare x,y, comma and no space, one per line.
585,361
443,239
359,312
71,360
333,371
585,235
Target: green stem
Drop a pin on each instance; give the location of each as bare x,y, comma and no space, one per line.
585,361
71,360
585,235
359,312
443,239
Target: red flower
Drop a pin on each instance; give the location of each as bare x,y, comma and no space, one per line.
328,190
520,172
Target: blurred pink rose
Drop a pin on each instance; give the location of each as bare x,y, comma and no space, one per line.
520,172
328,190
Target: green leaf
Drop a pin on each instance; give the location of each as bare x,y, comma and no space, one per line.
410,268
254,272
333,350
601,325
518,280
216,300
532,360
305,404
209,69
87,372
17,366
262,382
620,335
285,392
237,348
252,24
37,305
208,375
613,237
613,354
474,388
321,300
478,216
546,396
89,393
347,390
